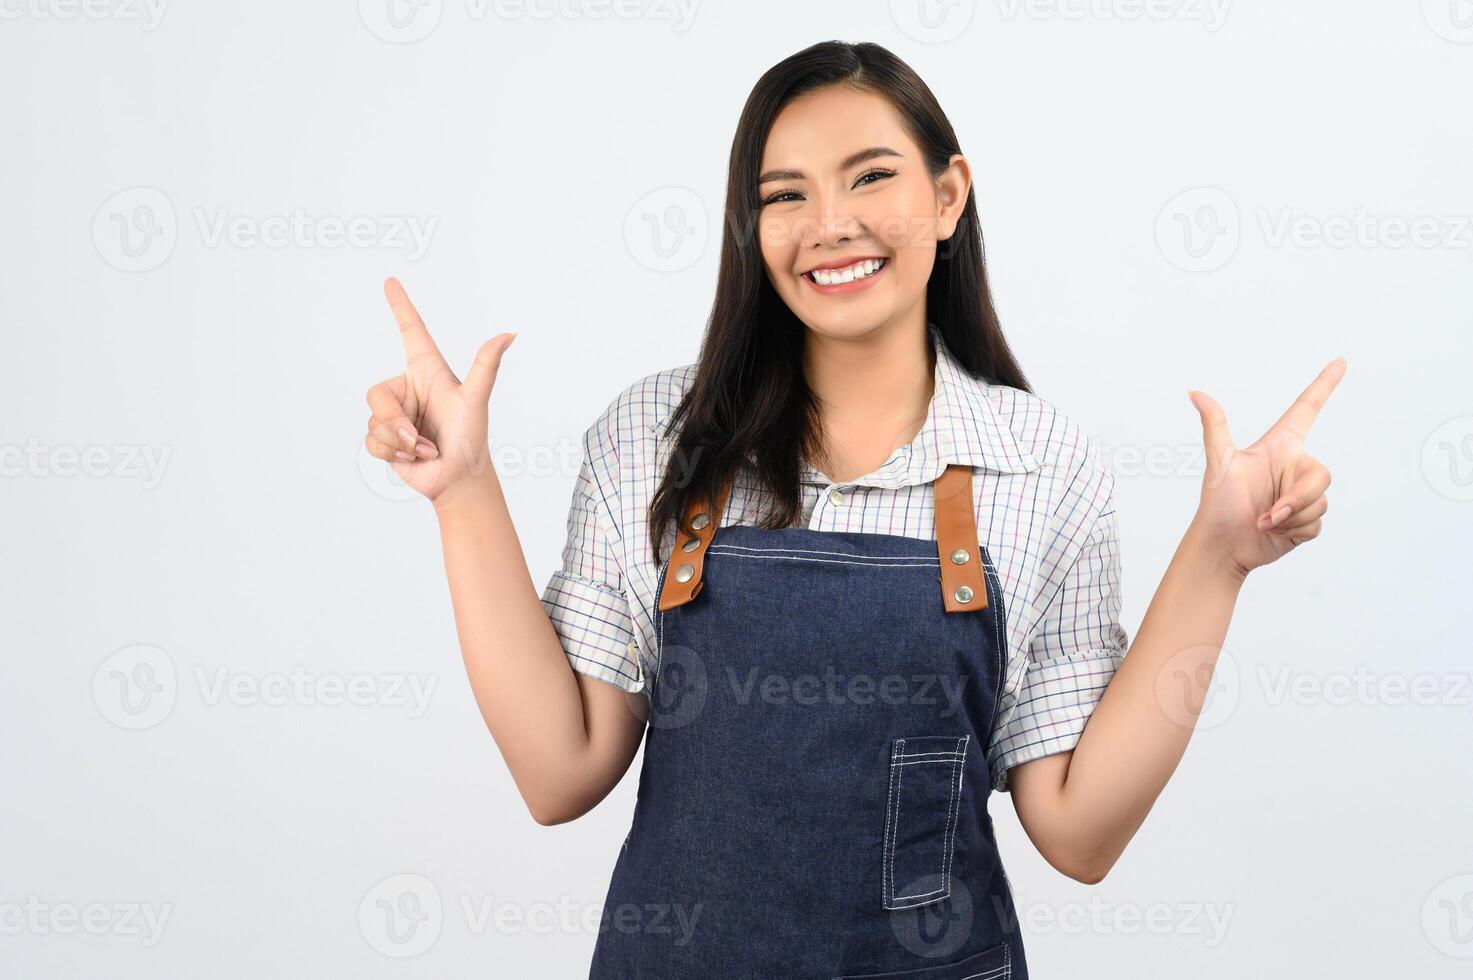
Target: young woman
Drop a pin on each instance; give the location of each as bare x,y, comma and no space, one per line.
845,574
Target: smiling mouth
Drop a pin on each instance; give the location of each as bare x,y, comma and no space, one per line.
861,270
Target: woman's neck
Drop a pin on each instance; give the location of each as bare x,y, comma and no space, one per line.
874,393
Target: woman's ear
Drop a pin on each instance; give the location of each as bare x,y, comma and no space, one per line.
951,195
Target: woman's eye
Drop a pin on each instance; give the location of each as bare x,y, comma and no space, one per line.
782,196
874,173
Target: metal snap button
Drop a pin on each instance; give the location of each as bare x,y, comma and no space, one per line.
960,556
685,572
700,521
690,544
963,594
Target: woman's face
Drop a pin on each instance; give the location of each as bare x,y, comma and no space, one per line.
850,216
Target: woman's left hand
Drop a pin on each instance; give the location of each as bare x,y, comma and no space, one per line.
1258,503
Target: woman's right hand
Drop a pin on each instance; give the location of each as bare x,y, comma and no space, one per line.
427,423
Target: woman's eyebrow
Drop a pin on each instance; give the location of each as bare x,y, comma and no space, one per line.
849,161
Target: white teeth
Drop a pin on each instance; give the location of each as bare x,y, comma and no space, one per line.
859,270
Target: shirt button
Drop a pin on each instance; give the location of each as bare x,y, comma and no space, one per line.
836,496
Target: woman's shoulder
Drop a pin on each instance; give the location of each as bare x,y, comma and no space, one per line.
637,413
1063,445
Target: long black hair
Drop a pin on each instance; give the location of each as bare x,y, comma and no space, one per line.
749,394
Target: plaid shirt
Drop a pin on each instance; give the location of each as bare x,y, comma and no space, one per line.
1045,511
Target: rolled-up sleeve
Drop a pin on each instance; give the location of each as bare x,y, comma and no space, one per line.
1073,651
585,599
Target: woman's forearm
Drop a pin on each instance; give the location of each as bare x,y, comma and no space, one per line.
1086,805
563,753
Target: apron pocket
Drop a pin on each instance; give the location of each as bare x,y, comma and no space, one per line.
994,963
920,819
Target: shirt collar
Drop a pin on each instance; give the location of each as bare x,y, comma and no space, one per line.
962,426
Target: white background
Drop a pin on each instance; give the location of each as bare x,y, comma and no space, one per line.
1318,829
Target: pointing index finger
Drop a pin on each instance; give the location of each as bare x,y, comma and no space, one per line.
417,340
1307,406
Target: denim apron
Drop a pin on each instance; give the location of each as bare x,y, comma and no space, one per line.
813,796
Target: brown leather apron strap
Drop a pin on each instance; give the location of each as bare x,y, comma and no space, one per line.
962,586
683,571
